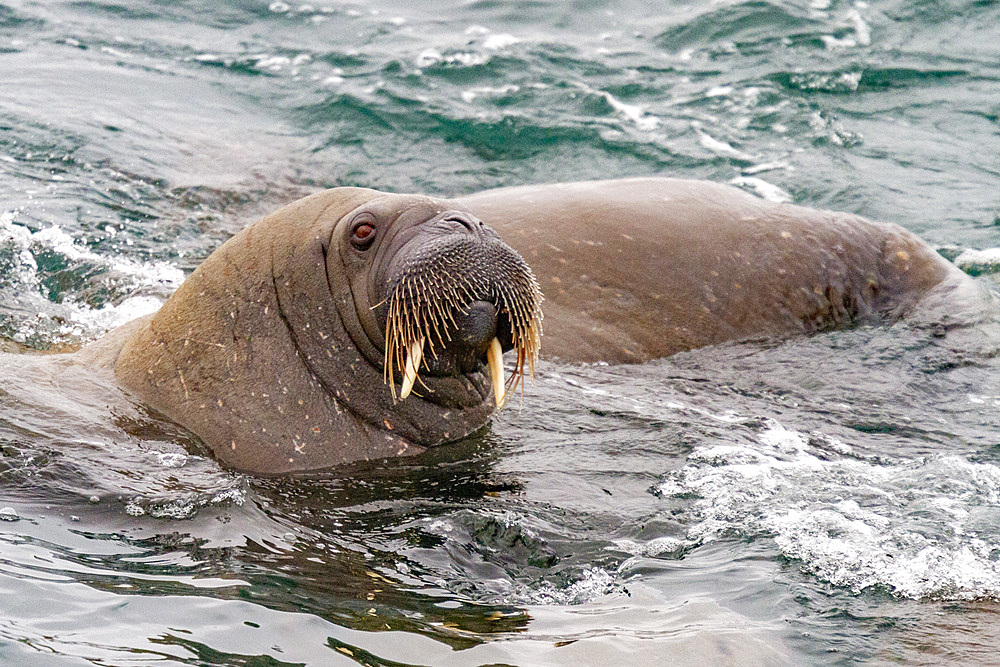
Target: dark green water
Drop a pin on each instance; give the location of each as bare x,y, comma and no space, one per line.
830,500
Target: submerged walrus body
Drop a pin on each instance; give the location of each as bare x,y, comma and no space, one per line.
353,324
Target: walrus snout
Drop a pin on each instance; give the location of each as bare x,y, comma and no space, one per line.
477,337
458,295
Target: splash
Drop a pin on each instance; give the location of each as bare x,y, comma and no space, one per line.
39,316
923,528
591,584
761,188
979,262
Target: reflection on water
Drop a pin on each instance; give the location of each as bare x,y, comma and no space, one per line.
830,499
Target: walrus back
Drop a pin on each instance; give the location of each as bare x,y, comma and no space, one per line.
643,268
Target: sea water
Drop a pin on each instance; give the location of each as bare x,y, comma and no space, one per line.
823,500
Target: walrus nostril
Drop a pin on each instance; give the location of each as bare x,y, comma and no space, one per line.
477,326
470,224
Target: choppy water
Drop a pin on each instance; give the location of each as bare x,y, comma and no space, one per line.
826,500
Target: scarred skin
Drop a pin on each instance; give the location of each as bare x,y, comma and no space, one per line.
272,351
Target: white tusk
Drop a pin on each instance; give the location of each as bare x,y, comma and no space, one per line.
415,354
495,357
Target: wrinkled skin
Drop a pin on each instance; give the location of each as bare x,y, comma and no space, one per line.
274,350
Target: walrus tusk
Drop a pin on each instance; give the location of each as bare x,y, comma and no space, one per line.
495,357
413,357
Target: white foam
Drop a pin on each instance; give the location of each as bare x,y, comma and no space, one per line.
632,112
472,93
440,526
861,29
25,272
650,548
76,318
171,459
272,63
115,52
134,509
907,526
830,128
985,260
592,584
143,273
832,43
467,58
719,91
428,57
501,41
764,166
184,506
762,188
850,79
236,496
717,146
486,44
107,317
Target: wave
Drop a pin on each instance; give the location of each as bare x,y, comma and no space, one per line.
73,292
916,528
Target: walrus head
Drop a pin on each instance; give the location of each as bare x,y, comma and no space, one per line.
441,295
352,324
438,298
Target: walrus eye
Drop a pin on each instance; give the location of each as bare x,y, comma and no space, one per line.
362,235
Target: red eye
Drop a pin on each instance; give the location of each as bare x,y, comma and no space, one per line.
363,235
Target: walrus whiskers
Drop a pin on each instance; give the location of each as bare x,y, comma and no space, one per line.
422,313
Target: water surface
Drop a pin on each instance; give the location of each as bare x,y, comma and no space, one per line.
834,499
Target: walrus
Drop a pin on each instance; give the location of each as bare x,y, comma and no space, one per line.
357,324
